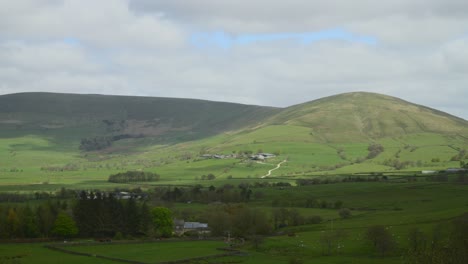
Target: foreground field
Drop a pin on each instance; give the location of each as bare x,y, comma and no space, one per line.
396,204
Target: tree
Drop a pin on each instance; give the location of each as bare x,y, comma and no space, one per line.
64,226
218,221
330,239
132,219
12,223
458,240
344,213
28,221
374,150
145,218
416,240
381,239
449,244
338,204
162,221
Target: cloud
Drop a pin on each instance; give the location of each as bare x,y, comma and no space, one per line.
259,52
102,24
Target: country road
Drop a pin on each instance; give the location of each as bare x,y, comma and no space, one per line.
277,167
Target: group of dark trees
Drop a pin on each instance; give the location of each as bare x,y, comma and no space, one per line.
374,150
93,214
208,177
460,177
448,243
133,176
103,215
24,221
283,217
226,194
66,167
398,164
238,221
462,154
315,181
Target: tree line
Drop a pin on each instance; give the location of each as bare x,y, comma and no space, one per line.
133,176
25,221
227,194
93,214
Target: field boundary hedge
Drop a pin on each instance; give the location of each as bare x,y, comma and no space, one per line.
63,248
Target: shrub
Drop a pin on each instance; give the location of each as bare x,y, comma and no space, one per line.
344,213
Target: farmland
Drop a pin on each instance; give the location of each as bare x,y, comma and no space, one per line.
344,169
399,206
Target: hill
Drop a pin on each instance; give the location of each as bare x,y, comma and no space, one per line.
352,132
362,116
40,136
74,116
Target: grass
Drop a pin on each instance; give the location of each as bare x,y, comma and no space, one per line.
154,252
36,253
327,138
397,205
23,158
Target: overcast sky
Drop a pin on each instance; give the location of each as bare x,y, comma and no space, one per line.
266,52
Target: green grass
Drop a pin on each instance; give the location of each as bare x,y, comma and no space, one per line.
154,252
326,136
36,253
398,205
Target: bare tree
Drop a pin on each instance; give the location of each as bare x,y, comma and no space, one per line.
381,239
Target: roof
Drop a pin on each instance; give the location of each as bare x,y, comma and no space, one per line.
195,225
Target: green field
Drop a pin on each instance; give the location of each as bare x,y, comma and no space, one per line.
363,151
400,206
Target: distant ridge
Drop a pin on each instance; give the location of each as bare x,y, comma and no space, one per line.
170,118
357,116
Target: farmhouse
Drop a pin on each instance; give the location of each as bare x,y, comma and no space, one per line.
130,195
180,227
217,156
262,156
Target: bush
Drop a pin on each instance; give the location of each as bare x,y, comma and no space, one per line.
374,150
344,213
316,219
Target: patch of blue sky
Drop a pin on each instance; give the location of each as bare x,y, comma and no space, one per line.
223,40
71,41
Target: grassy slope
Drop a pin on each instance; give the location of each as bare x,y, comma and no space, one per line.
311,146
319,137
69,117
367,116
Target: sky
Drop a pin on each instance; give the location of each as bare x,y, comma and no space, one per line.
264,52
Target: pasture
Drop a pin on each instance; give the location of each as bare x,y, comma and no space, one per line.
398,205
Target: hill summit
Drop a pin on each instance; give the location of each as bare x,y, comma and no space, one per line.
363,115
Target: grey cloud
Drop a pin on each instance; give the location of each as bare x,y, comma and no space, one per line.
141,48
104,24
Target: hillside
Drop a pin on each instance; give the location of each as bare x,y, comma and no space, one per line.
335,135
73,116
40,136
364,116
